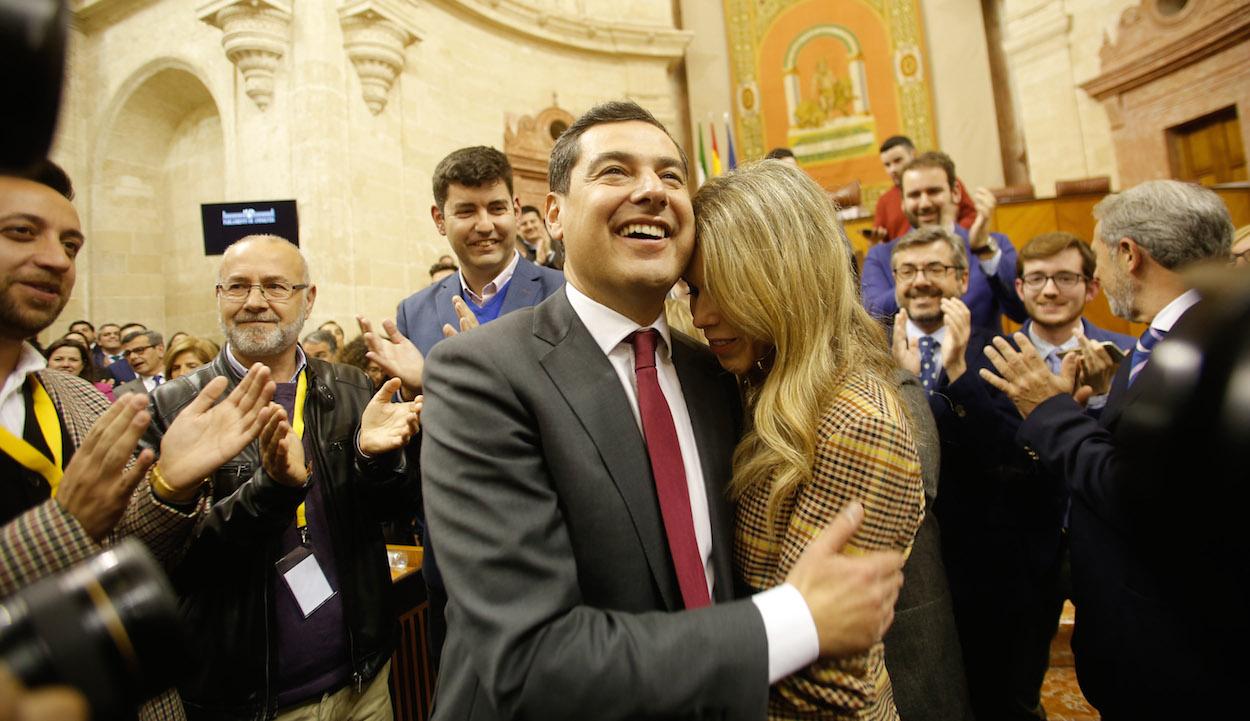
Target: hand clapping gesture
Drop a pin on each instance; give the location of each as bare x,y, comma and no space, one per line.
97,485
1024,375
204,435
958,321
396,355
906,353
386,426
979,233
468,321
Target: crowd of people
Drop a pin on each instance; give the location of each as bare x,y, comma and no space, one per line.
851,496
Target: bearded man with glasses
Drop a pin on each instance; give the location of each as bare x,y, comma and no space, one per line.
285,587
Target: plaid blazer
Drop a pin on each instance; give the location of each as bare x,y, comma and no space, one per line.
47,539
865,452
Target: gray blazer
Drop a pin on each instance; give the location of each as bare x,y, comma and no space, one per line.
563,602
922,653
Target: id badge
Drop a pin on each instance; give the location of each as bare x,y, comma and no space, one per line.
303,575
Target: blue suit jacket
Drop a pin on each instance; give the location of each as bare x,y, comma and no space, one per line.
421,316
987,298
122,372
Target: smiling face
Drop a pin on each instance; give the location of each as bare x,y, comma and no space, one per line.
894,159
626,221
67,359
110,338
921,296
531,227
41,237
1049,305
928,198
480,224
257,327
734,350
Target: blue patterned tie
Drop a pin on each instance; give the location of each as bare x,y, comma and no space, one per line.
928,365
1141,354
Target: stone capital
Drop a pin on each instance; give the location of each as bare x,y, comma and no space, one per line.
375,33
255,35
1034,32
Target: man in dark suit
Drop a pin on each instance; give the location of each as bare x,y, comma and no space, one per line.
1000,523
1136,626
589,571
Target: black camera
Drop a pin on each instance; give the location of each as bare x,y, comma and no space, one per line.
108,627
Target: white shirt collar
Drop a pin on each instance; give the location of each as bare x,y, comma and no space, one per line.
492,288
12,403
1167,317
300,362
1044,347
608,327
913,332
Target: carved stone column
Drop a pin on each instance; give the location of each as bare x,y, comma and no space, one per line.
375,33
255,36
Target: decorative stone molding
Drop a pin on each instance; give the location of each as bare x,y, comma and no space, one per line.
607,37
1031,35
255,36
92,15
527,141
375,33
1150,45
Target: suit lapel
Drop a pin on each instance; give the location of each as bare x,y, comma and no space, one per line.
585,378
712,429
522,289
446,312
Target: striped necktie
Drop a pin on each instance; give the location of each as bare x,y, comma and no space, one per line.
1141,354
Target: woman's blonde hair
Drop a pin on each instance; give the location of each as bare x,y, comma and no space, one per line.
778,264
203,349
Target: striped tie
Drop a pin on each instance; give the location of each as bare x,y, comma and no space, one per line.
1141,354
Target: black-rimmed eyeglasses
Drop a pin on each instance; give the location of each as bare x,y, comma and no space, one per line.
1063,280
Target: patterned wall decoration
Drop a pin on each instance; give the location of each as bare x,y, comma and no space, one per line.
829,79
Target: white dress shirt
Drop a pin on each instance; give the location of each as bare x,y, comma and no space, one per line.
1167,317
792,638
12,402
492,288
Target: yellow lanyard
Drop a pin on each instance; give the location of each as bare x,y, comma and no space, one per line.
50,426
297,425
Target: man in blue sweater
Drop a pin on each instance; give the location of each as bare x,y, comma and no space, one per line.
475,208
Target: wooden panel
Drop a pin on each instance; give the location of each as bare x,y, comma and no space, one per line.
1238,202
1021,222
1075,214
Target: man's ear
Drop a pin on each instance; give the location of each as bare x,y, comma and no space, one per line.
1092,287
437,215
956,196
310,294
963,282
1134,255
552,210
1020,287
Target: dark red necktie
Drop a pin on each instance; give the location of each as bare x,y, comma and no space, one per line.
669,471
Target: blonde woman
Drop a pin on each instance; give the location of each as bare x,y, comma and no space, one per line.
772,289
188,353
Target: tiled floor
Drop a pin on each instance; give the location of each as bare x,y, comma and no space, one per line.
1061,696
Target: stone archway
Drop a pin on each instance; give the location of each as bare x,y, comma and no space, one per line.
159,156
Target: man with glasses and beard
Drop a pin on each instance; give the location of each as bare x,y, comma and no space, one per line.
285,588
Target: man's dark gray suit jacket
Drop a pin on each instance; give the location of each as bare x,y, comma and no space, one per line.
538,489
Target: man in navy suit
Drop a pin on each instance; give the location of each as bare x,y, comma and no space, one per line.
1147,643
474,207
999,519
931,198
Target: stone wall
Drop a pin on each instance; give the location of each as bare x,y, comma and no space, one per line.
345,106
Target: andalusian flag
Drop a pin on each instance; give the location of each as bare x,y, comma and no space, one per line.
729,143
702,167
716,169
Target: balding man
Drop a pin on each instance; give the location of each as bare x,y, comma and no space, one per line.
285,586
